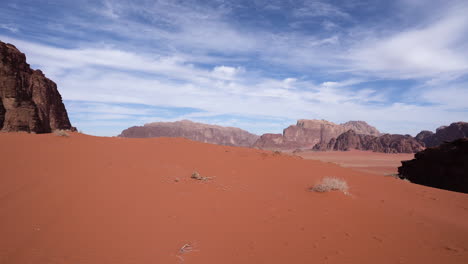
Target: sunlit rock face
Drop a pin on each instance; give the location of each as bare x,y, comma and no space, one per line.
28,100
206,133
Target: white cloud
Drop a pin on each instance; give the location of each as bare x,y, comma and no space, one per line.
226,72
9,27
315,8
428,51
450,97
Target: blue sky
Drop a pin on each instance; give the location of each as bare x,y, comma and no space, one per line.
260,65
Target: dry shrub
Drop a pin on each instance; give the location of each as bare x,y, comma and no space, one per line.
185,248
197,176
331,184
61,133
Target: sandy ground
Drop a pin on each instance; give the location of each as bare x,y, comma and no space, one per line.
92,200
364,161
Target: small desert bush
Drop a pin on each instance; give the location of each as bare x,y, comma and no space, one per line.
61,133
197,176
331,184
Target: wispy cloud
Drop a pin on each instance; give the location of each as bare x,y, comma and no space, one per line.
425,51
316,8
9,27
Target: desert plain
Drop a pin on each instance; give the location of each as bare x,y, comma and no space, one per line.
92,200
364,161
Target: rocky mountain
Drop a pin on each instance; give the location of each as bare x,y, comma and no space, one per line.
387,143
274,141
444,167
307,133
28,100
230,136
444,133
361,127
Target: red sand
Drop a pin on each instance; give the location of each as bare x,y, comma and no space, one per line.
364,161
91,200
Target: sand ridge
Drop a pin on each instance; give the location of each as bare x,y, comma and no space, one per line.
84,199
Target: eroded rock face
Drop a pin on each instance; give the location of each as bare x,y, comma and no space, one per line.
426,137
274,141
444,133
230,136
387,143
28,100
307,133
361,127
444,167
394,143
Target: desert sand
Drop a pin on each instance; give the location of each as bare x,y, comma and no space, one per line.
364,161
93,200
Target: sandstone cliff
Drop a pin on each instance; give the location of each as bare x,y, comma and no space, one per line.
28,100
444,133
230,136
387,143
445,166
307,133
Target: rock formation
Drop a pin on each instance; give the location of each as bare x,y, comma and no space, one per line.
361,127
307,133
274,141
28,100
444,167
426,137
444,133
387,143
230,136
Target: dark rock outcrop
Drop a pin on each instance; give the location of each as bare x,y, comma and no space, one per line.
444,167
387,143
230,136
394,143
307,133
28,100
426,138
444,133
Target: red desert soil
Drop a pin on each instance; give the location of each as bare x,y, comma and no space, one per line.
92,200
364,161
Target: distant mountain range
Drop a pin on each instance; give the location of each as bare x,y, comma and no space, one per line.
318,135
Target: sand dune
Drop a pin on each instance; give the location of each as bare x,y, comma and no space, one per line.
92,200
364,161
